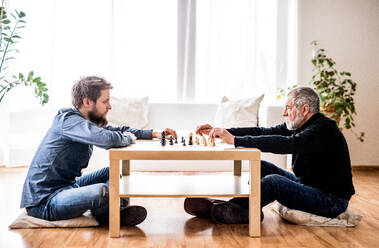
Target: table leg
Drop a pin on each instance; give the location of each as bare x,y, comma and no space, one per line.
237,167
114,199
125,167
255,199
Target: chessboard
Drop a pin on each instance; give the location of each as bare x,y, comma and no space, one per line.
189,140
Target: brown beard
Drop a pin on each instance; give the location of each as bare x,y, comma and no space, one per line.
99,120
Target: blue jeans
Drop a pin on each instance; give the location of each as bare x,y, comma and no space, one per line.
90,192
283,186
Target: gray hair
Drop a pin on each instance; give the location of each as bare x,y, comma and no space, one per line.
306,95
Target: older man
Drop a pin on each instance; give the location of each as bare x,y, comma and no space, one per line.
322,179
55,188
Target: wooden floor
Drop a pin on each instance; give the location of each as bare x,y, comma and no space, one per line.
167,225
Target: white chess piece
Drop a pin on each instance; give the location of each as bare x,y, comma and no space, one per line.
204,141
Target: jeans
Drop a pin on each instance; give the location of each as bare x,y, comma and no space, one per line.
283,186
90,192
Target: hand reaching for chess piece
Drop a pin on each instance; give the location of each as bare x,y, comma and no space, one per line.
167,132
223,134
203,129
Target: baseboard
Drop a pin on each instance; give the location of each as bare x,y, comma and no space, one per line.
364,167
14,166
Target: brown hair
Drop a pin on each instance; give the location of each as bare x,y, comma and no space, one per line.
88,87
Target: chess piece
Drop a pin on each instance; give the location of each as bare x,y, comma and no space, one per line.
213,142
184,142
204,140
176,140
171,140
163,139
197,142
190,140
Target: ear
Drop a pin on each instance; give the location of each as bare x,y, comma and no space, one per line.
86,102
305,109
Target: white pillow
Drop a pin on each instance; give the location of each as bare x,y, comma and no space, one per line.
347,218
240,113
26,221
128,112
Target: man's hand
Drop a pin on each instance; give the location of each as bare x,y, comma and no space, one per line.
203,129
223,134
167,132
134,138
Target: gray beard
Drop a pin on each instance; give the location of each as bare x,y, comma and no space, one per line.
295,124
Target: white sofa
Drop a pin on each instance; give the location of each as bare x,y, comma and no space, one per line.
17,148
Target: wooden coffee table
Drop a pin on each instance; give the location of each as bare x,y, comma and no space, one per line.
184,185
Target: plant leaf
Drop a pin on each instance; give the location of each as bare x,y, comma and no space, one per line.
21,14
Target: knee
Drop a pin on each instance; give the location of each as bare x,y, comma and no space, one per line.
105,172
272,181
267,167
264,164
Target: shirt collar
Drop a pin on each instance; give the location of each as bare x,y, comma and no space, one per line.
310,121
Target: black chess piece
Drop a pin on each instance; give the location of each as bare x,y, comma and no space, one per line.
163,139
183,140
176,140
171,140
190,141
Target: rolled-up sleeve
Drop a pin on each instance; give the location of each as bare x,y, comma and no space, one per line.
139,133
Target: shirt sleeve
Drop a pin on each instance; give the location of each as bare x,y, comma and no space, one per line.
139,133
78,129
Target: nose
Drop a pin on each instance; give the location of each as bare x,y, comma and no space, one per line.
285,112
109,107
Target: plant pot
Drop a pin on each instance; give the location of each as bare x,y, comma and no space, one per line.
328,111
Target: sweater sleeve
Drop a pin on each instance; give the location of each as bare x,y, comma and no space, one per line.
256,131
312,139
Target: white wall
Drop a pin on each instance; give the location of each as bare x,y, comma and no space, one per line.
349,31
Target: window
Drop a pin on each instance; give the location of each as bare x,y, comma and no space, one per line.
183,50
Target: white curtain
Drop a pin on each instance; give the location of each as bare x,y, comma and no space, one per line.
244,47
184,50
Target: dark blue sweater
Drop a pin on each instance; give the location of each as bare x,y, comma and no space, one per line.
320,156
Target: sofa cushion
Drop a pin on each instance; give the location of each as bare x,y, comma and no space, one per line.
238,113
131,112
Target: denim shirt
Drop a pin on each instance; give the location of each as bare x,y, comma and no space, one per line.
65,151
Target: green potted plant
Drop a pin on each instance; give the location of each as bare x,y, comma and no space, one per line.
9,36
335,88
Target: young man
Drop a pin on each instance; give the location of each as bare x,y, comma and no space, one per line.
54,188
322,179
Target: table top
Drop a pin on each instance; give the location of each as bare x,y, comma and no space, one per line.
153,150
